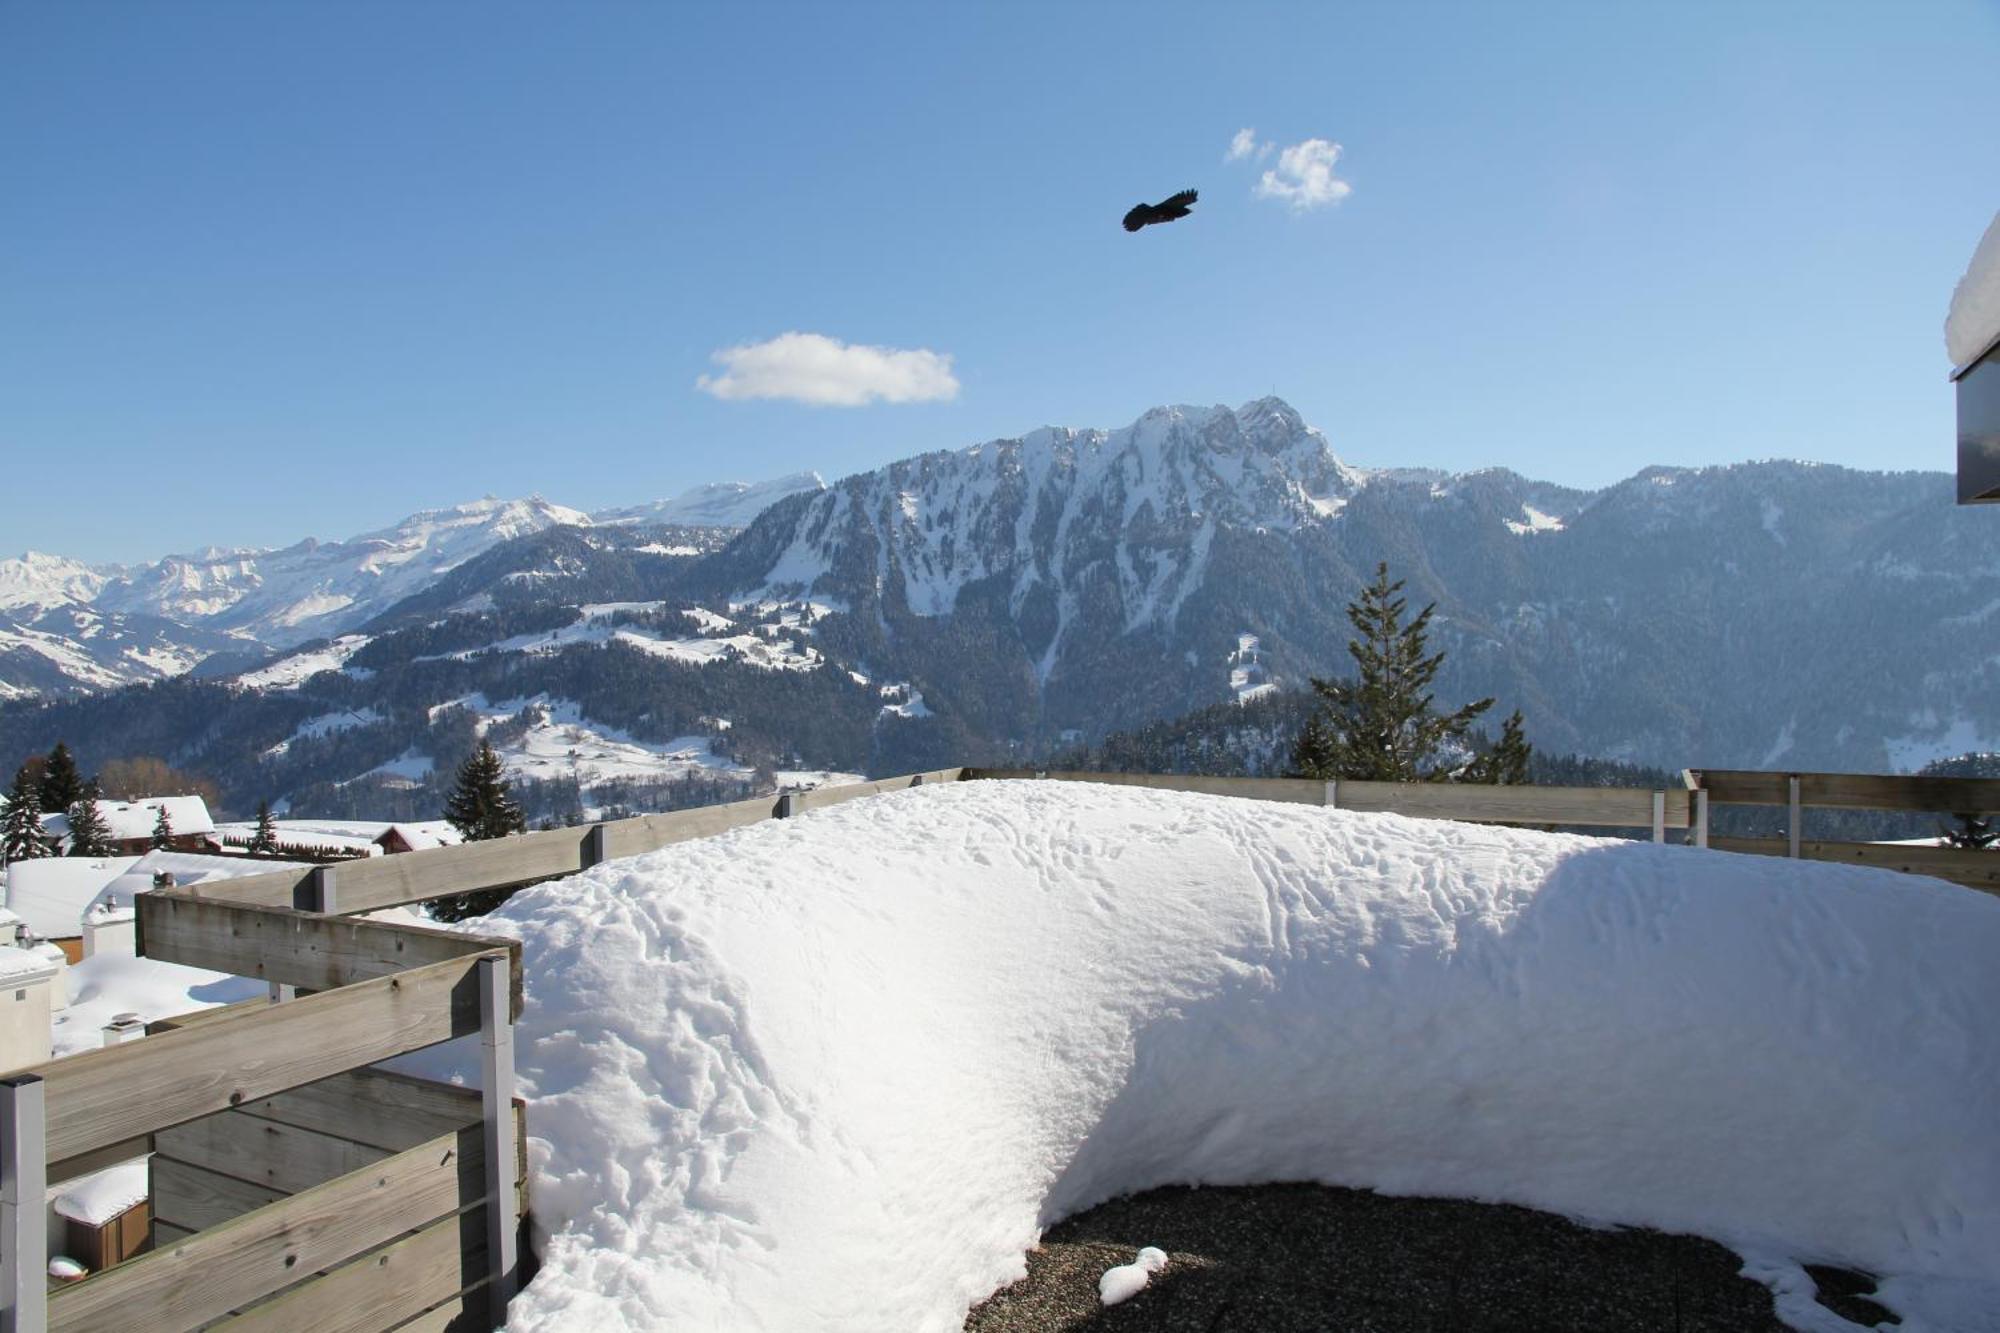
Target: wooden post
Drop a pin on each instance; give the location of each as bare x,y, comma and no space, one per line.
1701,817
496,1047
788,805
595,846
24,1207
1659,816
1331,798
320,890
1792,816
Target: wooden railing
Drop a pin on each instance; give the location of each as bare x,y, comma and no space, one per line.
407,1203
1796,793
426,1198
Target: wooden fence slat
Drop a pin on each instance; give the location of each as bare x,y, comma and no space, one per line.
374,1106
1852,791
371,883
291,947
193,1197
264,1152
647,833
819,798
230,1266
464,1314
1604,807
1968,867
380,1289
110,1095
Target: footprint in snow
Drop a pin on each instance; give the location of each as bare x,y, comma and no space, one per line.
1128,1280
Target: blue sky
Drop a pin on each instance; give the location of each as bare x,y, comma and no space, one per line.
277,270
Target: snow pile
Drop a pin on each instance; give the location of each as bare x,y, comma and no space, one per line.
838,1072
1128,1280
1974,321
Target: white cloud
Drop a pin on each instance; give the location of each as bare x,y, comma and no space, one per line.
1304,176
1244,144
813,368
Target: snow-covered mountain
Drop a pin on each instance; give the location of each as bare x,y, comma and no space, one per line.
1077,581
66,626
719,504
1041,591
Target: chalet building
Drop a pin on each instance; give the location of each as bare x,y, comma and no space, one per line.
131,824
65,899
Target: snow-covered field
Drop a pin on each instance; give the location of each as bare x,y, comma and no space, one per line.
837,1072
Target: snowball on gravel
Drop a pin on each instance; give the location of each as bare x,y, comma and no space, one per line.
1128,1280
839,1071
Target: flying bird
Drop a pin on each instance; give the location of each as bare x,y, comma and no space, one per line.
1167,210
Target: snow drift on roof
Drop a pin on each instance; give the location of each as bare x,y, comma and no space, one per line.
1974,322
838,1072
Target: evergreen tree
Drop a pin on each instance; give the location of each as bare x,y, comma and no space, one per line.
1381,726
62,785
479,807
1506,764
21,836
264,840
1316,753
88,834
163,830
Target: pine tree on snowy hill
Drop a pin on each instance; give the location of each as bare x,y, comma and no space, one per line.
480,808
62,785
21,835
1506,764
264,839
1382,724
88,834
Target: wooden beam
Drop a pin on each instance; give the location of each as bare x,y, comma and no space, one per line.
380,1289
193,1198
1602,807
110,1095
819,798
461,1314
1970,868
1852,791
231,1266
276,1156
295,948
646,833
373,1106
376,882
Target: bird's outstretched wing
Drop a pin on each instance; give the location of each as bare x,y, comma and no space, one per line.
1167,210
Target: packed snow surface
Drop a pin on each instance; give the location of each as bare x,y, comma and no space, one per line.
839,1071
1974,321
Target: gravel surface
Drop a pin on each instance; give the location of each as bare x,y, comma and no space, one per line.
1278,1258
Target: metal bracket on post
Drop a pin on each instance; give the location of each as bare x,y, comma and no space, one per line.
596,845
1701,817
496,1049
24,1207
788,804
1792,817
1659,816
1330,798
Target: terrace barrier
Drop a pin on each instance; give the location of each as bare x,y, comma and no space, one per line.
298,1187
